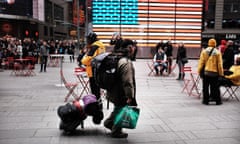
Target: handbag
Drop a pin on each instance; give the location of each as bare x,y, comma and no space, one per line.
203,68
127,117
184,60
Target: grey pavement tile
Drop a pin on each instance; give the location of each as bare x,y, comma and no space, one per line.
190,119
23,125
217,133
191,126
20,119
28,112
15,133
228,125
185,135
26,141
213,141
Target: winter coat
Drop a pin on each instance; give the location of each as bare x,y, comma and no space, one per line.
222,46
235,77
228,57
96,48
213,63
125,86
181,53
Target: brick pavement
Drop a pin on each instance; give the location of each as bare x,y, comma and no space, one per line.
28,112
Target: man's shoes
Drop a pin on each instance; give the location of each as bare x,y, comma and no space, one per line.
119,135
218,103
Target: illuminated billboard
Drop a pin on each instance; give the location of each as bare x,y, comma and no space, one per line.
149,21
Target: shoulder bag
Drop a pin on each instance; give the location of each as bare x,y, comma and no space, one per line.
203,68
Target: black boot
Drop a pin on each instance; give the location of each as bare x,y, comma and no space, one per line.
179,76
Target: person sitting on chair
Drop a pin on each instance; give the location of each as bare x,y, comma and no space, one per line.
160,60
232,77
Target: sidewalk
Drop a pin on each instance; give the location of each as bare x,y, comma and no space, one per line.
28,112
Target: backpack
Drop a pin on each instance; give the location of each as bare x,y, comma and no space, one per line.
104,68
71,117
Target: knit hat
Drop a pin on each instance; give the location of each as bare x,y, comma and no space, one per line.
212,43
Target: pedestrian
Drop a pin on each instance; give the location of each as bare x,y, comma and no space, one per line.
44,52
116,40
95,47
168,50
222,46
135,50
159,45
160,60
211,58
181,54
228,56
124,91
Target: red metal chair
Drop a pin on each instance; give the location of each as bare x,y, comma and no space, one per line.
9,63
191,82
70,87
31,66
151,68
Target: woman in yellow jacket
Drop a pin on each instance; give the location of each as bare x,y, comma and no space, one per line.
95,47
213,69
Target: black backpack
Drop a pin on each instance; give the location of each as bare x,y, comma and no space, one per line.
104,68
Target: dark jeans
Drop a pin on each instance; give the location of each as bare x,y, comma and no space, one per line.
169,59
43,63
211,83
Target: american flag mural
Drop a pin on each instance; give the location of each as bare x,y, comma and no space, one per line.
149,21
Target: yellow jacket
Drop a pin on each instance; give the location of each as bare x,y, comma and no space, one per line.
235,77
96,48
213,64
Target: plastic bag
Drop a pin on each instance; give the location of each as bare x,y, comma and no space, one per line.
127,117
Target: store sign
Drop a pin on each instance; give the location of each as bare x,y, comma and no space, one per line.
231,36
208,35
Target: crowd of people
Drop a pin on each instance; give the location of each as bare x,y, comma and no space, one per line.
16,48
163,58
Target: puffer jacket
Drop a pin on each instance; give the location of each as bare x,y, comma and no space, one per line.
96,48
235,77
125,86
213,64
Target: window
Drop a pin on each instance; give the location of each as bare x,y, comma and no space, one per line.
58,12
45,31
210,8
231,14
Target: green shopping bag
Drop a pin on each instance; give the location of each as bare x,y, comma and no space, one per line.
127,117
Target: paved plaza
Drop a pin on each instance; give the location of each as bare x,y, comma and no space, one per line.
28,112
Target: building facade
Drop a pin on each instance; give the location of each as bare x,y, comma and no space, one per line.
35,19
221,20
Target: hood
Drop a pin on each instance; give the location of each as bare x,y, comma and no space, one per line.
223,42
